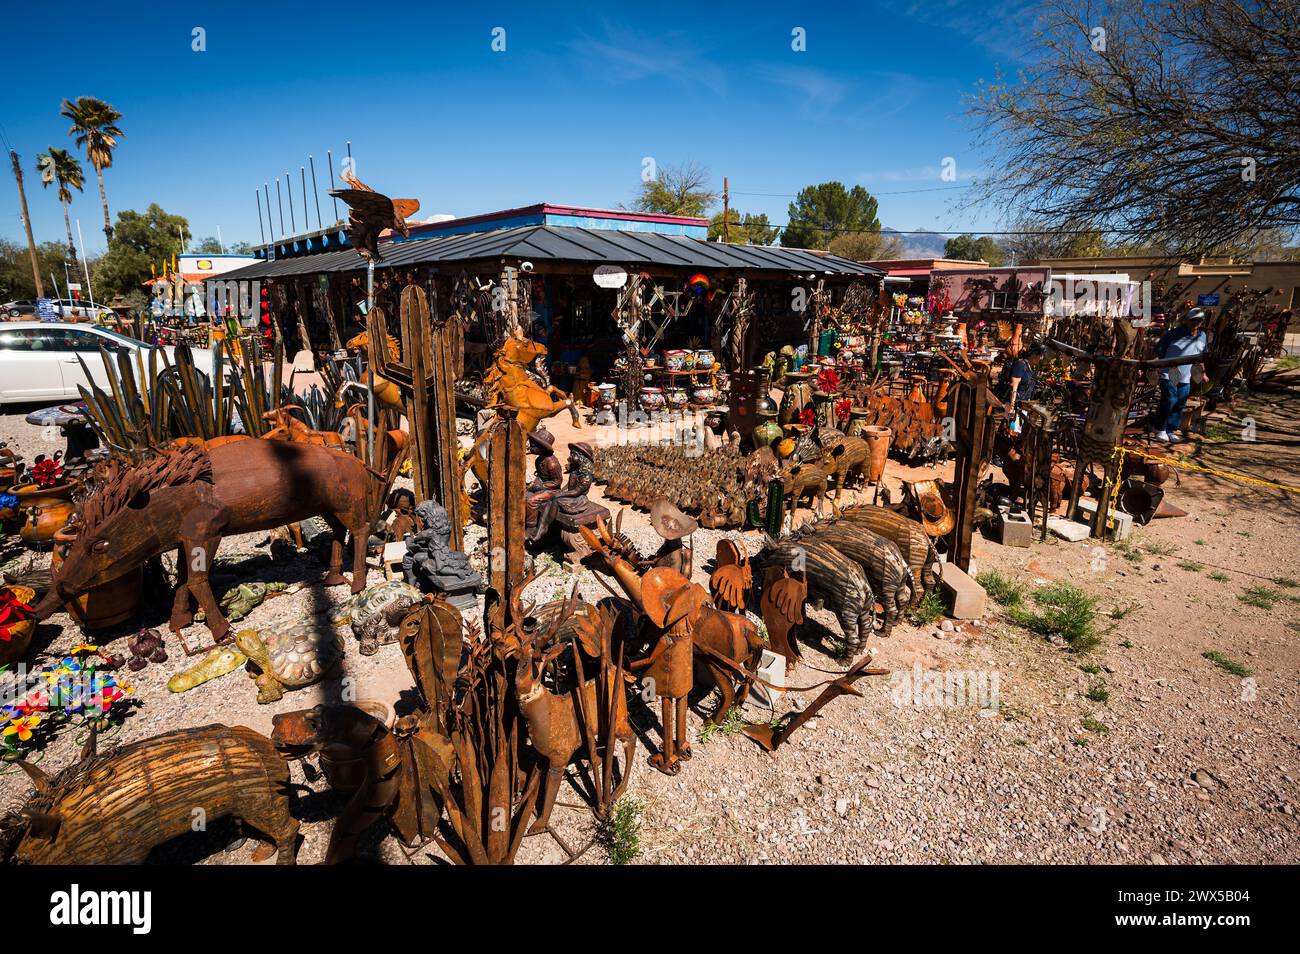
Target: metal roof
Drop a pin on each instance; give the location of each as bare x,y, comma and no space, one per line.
564,244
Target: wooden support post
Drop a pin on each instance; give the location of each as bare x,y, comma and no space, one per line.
973,426
505,508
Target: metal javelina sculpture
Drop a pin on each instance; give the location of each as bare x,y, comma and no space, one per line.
833,580
187,498
910,538
880,559
115,808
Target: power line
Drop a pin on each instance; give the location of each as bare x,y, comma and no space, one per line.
792,195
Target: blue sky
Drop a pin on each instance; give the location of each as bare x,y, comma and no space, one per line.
566,114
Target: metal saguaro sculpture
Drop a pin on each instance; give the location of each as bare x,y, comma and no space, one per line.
426,375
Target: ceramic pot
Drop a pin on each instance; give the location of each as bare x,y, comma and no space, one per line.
14,648
824,408
652,399
44,510
105,606
857,421
676,398
798,395
768,431
703,396
605,395
675,360
704,360
877,439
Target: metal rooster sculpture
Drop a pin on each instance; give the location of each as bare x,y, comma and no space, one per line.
370,212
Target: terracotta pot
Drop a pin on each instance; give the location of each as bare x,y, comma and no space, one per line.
105,606
44,511
877,439
14,648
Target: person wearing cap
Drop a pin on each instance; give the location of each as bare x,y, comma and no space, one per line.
1185,340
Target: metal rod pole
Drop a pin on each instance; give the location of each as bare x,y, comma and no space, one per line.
315,191
288,187
306,216
370,400
260,230
280,202
329,157
84,267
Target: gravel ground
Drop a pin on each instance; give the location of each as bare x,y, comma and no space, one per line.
1182,762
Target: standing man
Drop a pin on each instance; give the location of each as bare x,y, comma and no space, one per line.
1184,341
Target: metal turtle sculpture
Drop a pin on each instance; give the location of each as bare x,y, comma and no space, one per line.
291,658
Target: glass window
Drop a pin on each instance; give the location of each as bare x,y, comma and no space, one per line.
74,339
19,340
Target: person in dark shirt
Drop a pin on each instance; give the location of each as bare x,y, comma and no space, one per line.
1016,383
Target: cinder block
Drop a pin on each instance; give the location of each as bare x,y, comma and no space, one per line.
771,669
1087,512
1017,530
393,554
963,597
1068,529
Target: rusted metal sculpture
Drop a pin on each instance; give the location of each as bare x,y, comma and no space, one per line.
909,536
770,737
803,480
732,576
846,460
115,808
834,581
431,360
370,213
882,562
188,498
783,596
587,717
362,760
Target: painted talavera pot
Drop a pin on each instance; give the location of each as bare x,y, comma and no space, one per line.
676,398
652,399
703,396
704,360
675,360
104,606
14,648
44,511
605,395
877,439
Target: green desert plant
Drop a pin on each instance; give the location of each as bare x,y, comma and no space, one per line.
929,610
1225,663
1260,596
1004,590
1064,610
621,835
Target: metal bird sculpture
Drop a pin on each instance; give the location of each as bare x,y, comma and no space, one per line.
370,212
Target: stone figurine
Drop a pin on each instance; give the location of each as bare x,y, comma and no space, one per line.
430,564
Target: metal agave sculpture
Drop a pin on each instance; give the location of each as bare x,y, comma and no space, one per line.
151,400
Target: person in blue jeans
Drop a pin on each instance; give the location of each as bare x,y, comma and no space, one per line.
1187,339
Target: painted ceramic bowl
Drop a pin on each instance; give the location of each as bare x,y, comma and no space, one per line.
652,399
675,360
704,395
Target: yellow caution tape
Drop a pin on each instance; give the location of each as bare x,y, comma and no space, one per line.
1174,462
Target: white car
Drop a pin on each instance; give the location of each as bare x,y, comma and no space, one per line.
38,359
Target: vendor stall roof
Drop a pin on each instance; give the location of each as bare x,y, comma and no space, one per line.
539,243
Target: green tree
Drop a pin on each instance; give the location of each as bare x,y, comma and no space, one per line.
1161,122
968,248
677,190
94,127
61,167
208,246
747,229
140,240
16,269
821,212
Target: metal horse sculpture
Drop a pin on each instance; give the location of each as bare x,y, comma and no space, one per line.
187,498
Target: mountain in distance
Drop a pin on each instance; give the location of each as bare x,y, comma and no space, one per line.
921,243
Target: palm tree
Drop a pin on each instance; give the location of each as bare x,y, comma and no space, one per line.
94,124
61,166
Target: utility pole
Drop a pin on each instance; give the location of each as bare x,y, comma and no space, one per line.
27,224
726,211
